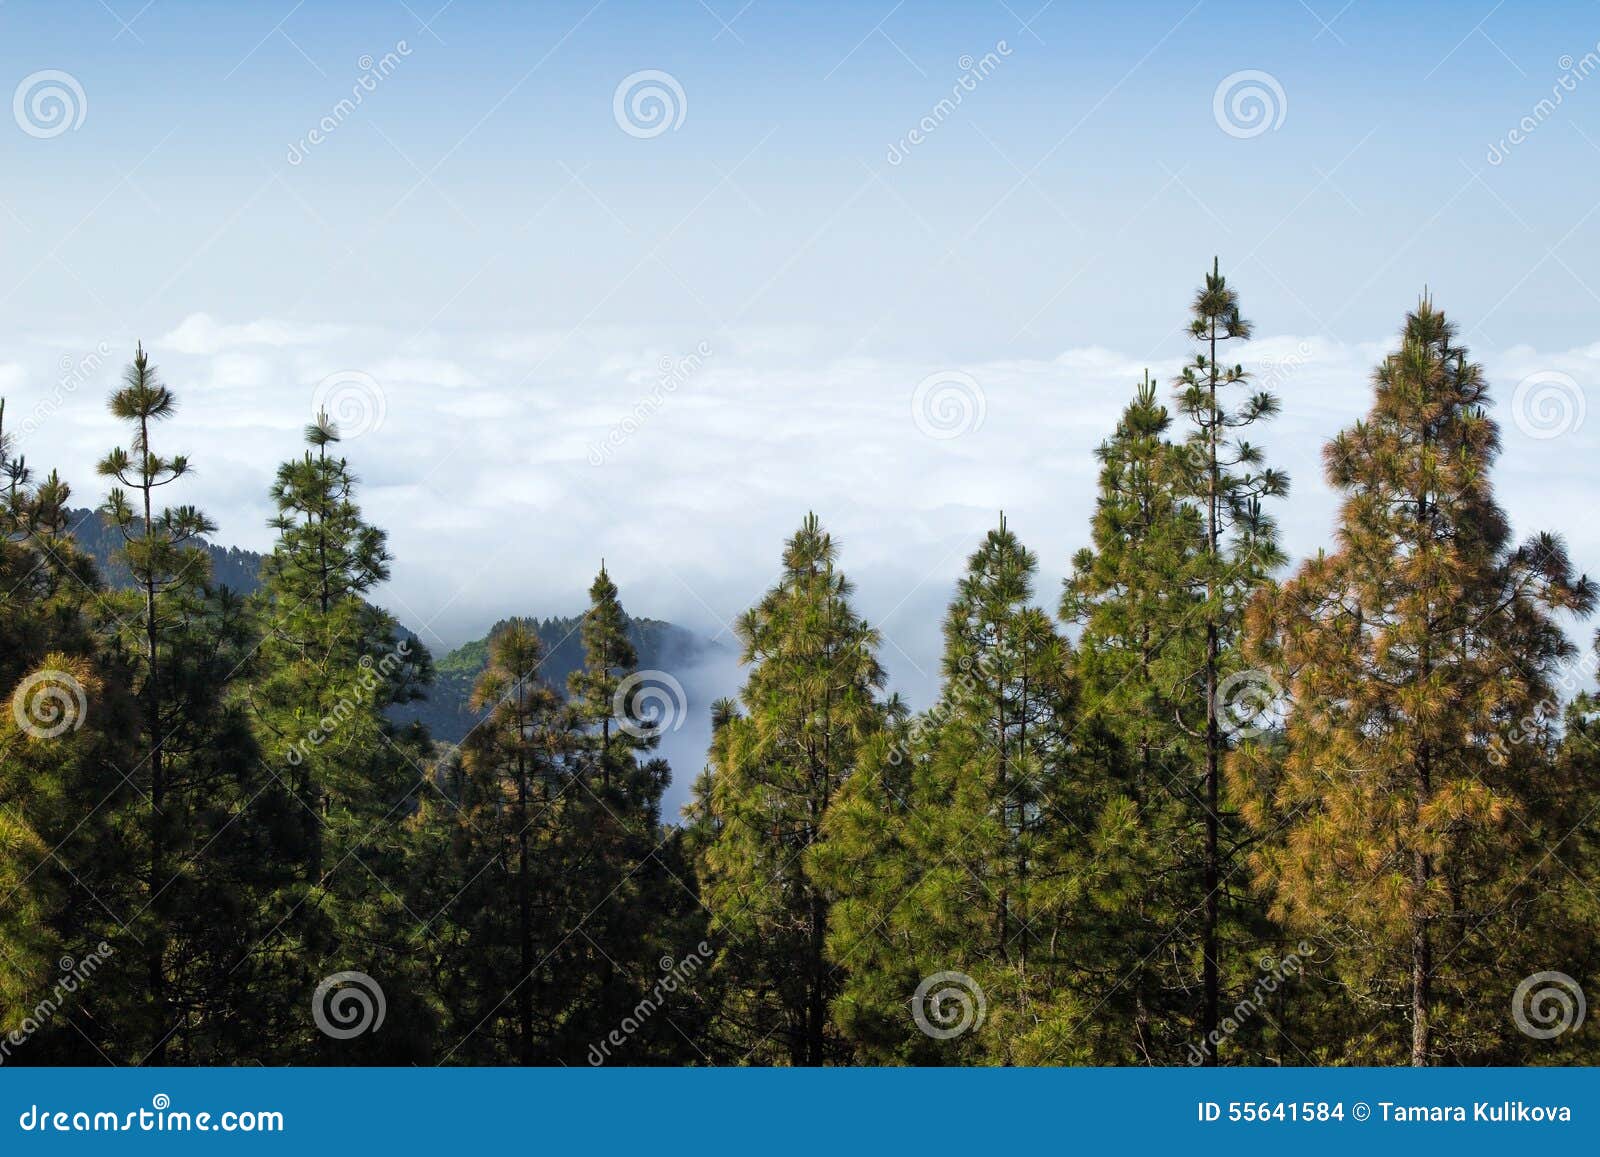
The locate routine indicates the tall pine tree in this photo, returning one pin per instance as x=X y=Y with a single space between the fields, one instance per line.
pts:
x=1228 y=480
x=329 y=667
x=1143 y=638
x=811 y=701
x=1414 y=826
x=185 y=645
x=963 y=844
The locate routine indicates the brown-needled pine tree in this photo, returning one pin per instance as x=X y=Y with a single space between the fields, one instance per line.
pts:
x=1411 y=829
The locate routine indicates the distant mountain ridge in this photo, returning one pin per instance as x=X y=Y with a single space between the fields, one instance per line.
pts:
x=661 y=646
x=240 y=570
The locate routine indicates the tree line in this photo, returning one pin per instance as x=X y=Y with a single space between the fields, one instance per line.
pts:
x=1194 y=808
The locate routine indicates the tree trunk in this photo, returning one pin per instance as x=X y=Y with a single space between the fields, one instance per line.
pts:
x=158 y=780
x=1421 y=964
x=1210 y=980
x=524 y=906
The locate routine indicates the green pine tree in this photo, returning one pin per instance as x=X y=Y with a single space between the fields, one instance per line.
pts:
x=811 y=701
x=329 y=667
x=639 y=907
x=1229 y=481
x=963 y=844
x=1143 y=640
x=185 y=645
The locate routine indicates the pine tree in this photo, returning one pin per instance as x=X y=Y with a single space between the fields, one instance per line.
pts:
x=185 y=645
x=1228 y=480
x=329 y=667
x=1414 y=821
x=1143 y=639
x=637 y=907
x=965 y=847
x=701 y=825
x=812 y=699
x=506 y=909
x=1566 y=911
x=609 y=658
x=66 y=728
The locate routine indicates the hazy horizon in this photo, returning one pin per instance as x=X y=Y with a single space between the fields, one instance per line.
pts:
x=605 y=279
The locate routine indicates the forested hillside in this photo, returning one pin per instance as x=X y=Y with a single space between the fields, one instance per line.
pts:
x=97 y=536
x=447 y=711
x=1200 y=805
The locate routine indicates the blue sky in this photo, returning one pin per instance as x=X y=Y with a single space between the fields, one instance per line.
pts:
x=501 y=268
x=1363 y=193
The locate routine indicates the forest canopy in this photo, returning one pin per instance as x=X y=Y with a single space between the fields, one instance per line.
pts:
x=1198 y=806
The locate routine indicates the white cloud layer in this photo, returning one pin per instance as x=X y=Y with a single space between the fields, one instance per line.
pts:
x=505 y=465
